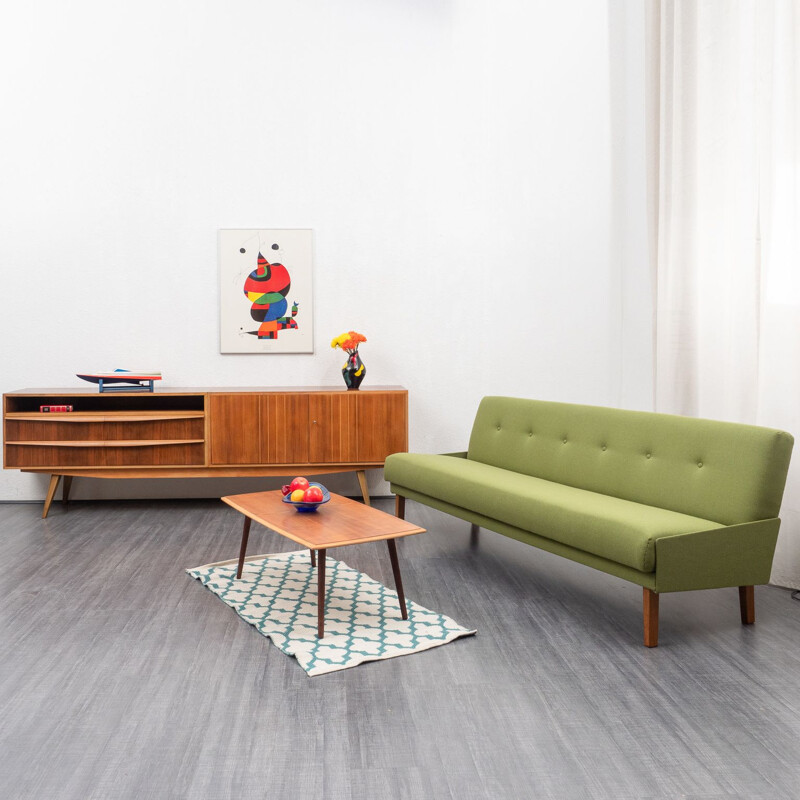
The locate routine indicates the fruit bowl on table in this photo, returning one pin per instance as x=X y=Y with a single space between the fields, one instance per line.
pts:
x=303 y=506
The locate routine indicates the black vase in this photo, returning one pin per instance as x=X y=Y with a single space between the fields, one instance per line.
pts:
x=353 y=371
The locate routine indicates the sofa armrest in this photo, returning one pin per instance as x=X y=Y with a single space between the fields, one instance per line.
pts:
x=736 y=555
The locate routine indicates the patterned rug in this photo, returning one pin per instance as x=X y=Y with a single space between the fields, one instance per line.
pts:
x=277 y=594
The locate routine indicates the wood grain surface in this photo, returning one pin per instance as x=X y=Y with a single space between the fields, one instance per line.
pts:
x=333 y=425
x=338 y=523
x=235 y=429
x=284 y=424
x=162 y=391
x=103 y=416
x=233 y=432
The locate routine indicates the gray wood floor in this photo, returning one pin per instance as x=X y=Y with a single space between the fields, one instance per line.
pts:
x=121 y=677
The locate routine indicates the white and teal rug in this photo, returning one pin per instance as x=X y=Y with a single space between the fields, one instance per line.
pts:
x=277 y=594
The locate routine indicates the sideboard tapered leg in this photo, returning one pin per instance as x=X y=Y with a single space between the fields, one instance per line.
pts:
x=65 y=487
x=51 y=493
x=362 y=482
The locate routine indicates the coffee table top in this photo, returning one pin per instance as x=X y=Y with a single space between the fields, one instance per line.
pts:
x=337 y=523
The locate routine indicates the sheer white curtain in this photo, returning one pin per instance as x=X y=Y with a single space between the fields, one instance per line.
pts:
x=725 y=211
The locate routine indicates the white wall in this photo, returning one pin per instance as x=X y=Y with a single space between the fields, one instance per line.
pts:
x=455 y=160
x=629 y=215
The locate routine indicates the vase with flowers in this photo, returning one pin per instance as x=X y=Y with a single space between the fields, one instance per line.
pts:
x=353 y=370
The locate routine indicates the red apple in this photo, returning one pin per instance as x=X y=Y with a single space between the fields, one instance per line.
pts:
x=285 y=489
x=312 y=495
x=298 y=483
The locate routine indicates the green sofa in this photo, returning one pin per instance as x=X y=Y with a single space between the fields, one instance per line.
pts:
x=669 y=503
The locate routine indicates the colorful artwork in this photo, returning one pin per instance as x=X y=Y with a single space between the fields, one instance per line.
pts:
x=265 y=288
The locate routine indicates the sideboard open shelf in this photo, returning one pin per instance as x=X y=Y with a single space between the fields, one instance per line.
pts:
x=203 y=433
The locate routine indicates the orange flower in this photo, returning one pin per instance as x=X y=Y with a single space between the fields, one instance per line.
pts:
x=349 y=341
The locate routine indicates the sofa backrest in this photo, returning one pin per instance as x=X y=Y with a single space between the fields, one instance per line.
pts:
x=720 y=471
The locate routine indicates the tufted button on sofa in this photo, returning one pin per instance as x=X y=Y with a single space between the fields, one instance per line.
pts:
x=670 y=503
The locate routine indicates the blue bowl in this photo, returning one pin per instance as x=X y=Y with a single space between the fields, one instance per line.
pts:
x=306 y=507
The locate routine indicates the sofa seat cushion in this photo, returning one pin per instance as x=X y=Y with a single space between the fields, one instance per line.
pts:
x=620 y=530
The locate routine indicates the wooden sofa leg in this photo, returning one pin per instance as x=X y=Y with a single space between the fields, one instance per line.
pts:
x=474 y=535
x=400 y=506
x=650 y=606
x=747 y=604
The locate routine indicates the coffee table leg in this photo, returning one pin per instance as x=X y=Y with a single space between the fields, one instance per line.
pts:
x=313 y=558
x=398 y=581
x=321 y=595
x=243 y=550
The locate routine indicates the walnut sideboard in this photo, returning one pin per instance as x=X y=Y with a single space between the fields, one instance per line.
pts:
x=202 y=433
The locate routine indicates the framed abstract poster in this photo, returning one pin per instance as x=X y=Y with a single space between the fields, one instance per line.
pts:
x=265 y=291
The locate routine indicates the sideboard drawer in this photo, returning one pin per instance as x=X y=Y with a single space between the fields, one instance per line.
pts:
x=164 y=430
x=55 y=456
x=100 y=440
x=86 y=454
x=53 y=431
x=163 y=454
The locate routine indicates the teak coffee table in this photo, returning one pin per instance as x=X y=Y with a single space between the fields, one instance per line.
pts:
x=338 y=523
